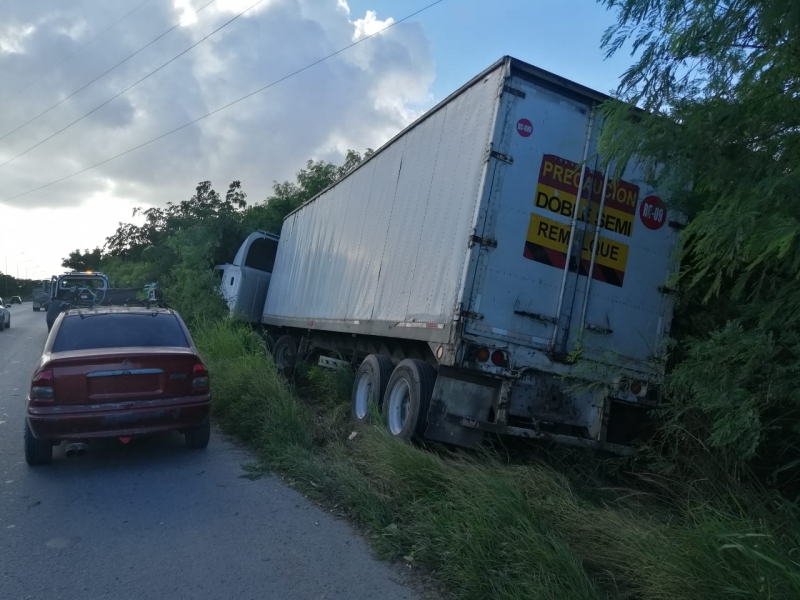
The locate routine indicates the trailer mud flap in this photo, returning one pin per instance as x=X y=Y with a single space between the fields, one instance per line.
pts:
x=464 y=395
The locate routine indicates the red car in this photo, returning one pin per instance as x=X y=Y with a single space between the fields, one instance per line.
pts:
x=116 y=372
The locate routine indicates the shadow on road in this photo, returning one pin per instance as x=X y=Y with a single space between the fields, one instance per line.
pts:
x=156 y=450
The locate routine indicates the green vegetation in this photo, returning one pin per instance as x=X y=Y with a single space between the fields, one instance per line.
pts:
x=720 y=81
x=485 y=527
x=11 y=286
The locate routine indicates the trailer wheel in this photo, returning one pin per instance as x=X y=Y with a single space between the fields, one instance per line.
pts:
x=408 y=394
x=369 y=387
x=285 y=354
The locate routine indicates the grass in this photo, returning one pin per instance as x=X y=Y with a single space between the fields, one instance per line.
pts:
x=486 y=528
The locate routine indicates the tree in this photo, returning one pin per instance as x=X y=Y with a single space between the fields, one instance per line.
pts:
x=83 y=261
x=719 y=82
x=288 y=196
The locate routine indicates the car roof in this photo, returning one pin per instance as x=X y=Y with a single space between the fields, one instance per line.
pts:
x=120 y=310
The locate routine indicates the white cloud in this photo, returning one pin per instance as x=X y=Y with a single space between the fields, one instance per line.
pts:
x=370 y=25
x=13 y=37
x=357 y=99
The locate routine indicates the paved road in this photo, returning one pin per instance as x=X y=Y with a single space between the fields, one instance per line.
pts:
x=155 y=520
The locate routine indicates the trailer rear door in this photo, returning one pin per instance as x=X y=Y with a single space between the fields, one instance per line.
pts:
x=526 y=289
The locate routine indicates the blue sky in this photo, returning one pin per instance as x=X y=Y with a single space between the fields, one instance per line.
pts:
x=467 y=36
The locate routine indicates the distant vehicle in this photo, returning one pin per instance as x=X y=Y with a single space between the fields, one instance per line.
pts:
x=85 y=288
x=116 y=372
x=16 y=300
x=63 y=287
x=41 y=295
x=487 y=270
x=5 y=315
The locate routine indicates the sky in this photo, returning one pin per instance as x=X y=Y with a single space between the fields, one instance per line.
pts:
x=50 y=49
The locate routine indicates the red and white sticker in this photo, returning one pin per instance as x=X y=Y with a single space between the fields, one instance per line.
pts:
x=524 y=127
x=653 y=212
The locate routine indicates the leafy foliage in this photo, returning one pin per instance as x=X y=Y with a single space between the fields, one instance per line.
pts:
x=88 y=260
x=719 y=82
x=11 y=286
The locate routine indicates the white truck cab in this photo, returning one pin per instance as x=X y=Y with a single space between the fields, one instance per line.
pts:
x=244 y=282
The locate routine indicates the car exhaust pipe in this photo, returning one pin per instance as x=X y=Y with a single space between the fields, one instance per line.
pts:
x=76 y=449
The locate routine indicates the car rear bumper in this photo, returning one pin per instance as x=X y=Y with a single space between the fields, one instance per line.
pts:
x=120 y=419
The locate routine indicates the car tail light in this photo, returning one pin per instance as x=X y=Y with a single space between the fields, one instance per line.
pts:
x=42 y=386
x=498 y=358
x=200 y=381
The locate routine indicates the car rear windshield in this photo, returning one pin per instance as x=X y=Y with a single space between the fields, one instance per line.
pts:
x=98 y=331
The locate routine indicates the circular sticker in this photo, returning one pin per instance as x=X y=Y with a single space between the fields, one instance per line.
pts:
x=524 y=127
x=653 y=212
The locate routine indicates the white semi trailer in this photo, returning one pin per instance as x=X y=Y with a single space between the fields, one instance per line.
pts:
x=459 y=269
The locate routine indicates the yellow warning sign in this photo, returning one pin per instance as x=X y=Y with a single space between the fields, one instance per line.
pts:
x=557 y=192
x=547 y=242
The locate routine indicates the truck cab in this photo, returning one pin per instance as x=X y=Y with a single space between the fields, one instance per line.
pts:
x=245 y=281
x=41 y=295
x=79 y=286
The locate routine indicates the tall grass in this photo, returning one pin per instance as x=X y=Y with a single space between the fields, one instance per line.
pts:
x=486 y=528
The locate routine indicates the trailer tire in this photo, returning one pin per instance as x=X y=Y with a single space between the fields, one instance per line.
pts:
x=285 y=354
x=408 y=395
x=369 y=386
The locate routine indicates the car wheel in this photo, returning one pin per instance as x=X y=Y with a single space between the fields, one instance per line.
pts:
x=408 y=394
x=370 y=385
x=285 y=354
x=197 y=437
x=8 y=325
x=37 y=452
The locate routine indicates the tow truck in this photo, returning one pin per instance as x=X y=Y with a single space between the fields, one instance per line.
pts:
x=87 y=289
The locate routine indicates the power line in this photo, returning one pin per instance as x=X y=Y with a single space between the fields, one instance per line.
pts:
x=123 y=61
x=224 y=107
x=79 y=50
x=117 y=95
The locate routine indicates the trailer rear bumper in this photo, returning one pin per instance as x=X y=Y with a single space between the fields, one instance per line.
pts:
x=535 y=434
x=466 y=405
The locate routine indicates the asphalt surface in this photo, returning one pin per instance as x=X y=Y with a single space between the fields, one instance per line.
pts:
x=153 y=519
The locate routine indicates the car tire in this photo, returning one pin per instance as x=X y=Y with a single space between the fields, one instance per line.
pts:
x=369 y=386
x=197 y=438
x=8 y=325
x=408 y=395
x=37 y=452
x=285 y=354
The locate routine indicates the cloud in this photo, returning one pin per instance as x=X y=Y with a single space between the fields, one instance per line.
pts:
x=360 y=98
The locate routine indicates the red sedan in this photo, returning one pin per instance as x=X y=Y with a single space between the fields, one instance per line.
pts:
x=116 y=372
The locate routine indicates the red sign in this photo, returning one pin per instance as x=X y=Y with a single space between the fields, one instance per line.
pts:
x=653 y=212
x=524 y=127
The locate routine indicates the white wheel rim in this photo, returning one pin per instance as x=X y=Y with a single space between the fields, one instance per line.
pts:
x=363 y=389
x=399 y=403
